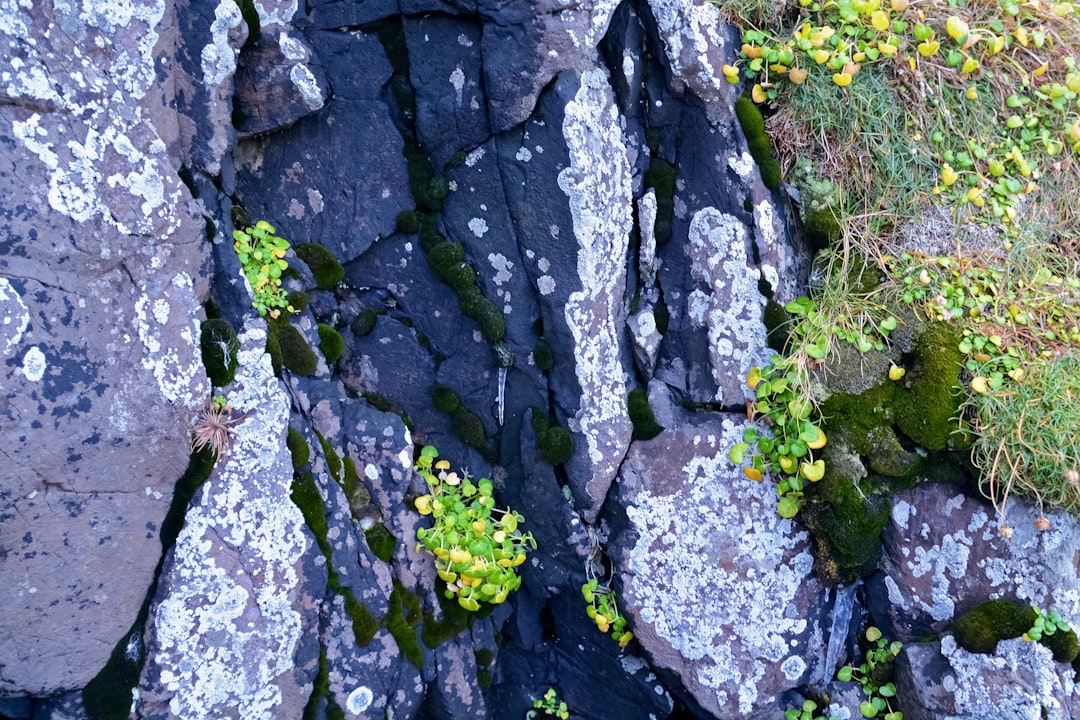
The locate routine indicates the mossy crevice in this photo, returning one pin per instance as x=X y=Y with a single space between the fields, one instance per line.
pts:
x=324 y=266
x=641 y=415
x=929 y=401
x=289 y=349
x=753 y=127
x=660 y=176
x=555 y=443
x=331 y=344
x=220 y=350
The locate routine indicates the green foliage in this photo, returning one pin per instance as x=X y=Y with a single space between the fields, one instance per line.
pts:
x=381 y=542
x=930 y=400
x=220 y=347
x=641 y=415
x=324 y=266
x=262 y=254
x=298 y=449
x=806 y=712
x=1054 y=632
x=445 y=399
x=543 y=355
x=364 y=322
x=331 y=344
x=550 y=706
x=753 y=126
x=846 y=522
x=602 y=609
x=476 y=546
x=875 y=676
x=292 y=352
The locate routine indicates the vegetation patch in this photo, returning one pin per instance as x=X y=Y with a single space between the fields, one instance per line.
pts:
x=331 y=344
x=324 y=266
x=555 y=443
x=641 y=415
x=220 y=348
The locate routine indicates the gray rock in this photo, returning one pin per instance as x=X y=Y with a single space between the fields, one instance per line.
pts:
x=943 y=556
x=230 y=632
x=99 y=266
x=1019 y=681
x=278 y=81
x=718 y=586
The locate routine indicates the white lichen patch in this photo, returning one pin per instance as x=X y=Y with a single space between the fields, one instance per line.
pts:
x=502 y=266
x=359 y=700
x=33 y=366
x=218 y=57
x=717 y=573
x=305 y=83
x=16 y=318
x=693 y=35
x=726 y=302
x=457 y=81
x=743 y=165
x=478 y=226
x=223 y=637
x=597 y=184
x=178 y=373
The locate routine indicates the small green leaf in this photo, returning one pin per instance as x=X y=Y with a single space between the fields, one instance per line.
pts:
x=787 y=507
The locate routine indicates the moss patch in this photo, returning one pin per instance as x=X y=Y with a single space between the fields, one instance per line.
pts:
x=298 y=448
x=365 y=625
x=543 y=355
x=381 y=542
x=469 y=428
x=220 y=348
x=555 y=443
x=928 y=403
x=846 y=523
x=292 y=350
x=979 y=629
x=444 y=399
x=641 y=415
x=753 y=126
x=331 y=344
x=364 y=322
x=324 y=266
x=401 y=621
x=320 y=690
x=408 y=222
x=661 y=178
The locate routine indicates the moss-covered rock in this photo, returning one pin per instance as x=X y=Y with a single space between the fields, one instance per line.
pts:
x=641 y=415
x=469 y=428
x=298 y=449
x=930 y=400
x=777 y=325
x=381 y=542
x=364 y=322
x=1064 y=645
x=324 y=266
x=846 y=522
x=543 y=355
x=492 y=323
x=365 y=624
x=979 y=629
x=408 y=222
x=297 y=300
x=822 y=227
x=445 y=254
x=472 y=302
x=753 y=126
x=458 y=276
x=403 y=616
x=331 y=344
x=660 y=176
x=444 y=399
x=220 y=348
x=293 y=351
x=555 y=443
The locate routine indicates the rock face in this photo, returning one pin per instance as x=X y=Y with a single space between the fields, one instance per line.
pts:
x=719 y=586
x=101 y=274
x=539 y=208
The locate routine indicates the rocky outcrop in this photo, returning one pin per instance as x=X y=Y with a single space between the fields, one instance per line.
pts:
x=101 y=275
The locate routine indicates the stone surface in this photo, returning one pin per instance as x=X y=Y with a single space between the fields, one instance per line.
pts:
x=101 y=252
x=943 y=556
x=231 y=630
x=719 y=587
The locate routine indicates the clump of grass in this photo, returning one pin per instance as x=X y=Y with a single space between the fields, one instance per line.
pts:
x=1027 y=443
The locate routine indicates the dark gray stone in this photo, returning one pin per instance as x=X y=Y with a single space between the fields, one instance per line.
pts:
x=277 y=83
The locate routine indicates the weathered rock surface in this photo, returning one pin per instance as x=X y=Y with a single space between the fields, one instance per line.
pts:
x=720 y=588
x=231 y=630
x=943 y=556
x=101 y=261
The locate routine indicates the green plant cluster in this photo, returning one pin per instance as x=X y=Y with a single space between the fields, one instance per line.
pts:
x=753 y=127
x=980 y=629
x=1047 y=622
x=476 y=546
x=806 y=711
x=556 y=444
x=262 y=255
x=550 y=706
x=603 y=609
x=787 y=450
x=324 y=266
x=875 y=676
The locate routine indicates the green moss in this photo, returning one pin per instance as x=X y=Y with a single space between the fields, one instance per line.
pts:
x=979 y=629
x=298 y=449
x=365 y=625
x=543 y=355
x=541 y=421
x=484 y=657
x=429 y=233
x=273 y=349
x=455 y=620
x=356 y=493
x=483 y=678
x=428 y=188
x=408 y=222
x=459 y=276
x=932 y=396
x=331 y=344
x=251 y=19
x=822 y=227
x=324 y=266
x=753 y=126
x=846 y=522
x=641 y=415
x=492 y=324
x=445 y=254
x=860 y=416
x=305 y=495
x=364 y=322
x=295 y=354
x=333 y=460
x=469 y=428
x=556 y=445
x=298 y=300
x=777 y=325
x=381 y=542
x=660 y=176
x=220 y=347
x=403 y=616
x=444 y=399
x=320 y=690
x=1064 y=645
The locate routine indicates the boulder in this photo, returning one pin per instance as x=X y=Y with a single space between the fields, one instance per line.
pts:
x=101 y=256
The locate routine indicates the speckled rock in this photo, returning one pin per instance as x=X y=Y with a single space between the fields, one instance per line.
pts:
x=718 y=586
x=278 y=81
x=1018 y=681
x=100 y=257
x=943 y=556
x=231 y=629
